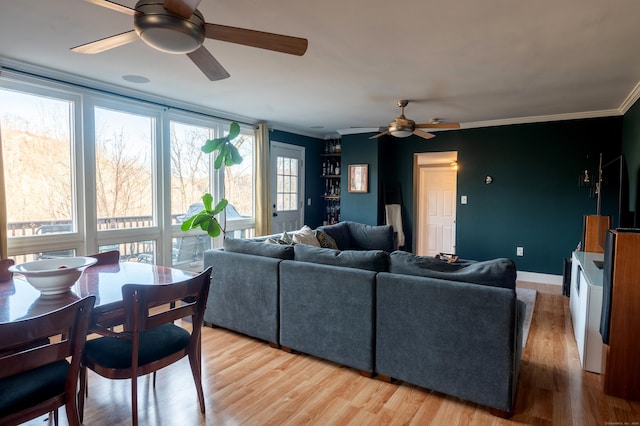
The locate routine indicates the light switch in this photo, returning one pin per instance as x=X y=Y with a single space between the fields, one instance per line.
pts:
x=463 y=199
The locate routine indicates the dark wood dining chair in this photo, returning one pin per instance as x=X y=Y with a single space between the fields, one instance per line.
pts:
x=36 y=377
x=5 y=274
x=110 y=257
x=150 y=340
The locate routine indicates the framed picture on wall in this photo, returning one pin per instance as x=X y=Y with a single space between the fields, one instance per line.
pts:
x=358 y=178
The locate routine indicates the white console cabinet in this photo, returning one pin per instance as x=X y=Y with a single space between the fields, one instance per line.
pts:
x=585 y=304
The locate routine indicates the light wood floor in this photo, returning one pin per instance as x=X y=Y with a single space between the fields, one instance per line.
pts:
x=249 y=383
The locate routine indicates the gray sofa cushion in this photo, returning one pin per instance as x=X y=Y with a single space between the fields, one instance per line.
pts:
x=278 y=251
x=328 y=313
x=370 y=260
x=358 y=236
x=496 y=272
x=340 y=234
x=368 y=237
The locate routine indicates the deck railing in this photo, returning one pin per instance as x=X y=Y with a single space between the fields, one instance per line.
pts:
x=131 y=251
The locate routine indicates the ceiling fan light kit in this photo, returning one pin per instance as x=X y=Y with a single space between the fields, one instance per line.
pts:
x=167 y=31
x=403 y=127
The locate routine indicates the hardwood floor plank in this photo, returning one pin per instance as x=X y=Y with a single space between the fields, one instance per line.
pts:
x=247 y=382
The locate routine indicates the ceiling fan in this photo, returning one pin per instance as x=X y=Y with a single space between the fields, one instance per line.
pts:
x=402 y=127
x=176 y=26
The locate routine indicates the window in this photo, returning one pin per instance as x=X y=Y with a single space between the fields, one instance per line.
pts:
x=39 y=158
x=287 y=184
x=121 y=175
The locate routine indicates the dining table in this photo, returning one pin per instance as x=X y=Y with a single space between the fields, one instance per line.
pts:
x=18 y=299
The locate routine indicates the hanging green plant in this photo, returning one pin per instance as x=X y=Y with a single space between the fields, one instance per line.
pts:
x=228 y=155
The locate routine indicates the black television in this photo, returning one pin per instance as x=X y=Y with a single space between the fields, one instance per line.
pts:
x=613 y=196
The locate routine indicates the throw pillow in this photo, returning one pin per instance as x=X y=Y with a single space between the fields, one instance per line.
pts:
x=285 y=238
x=325 y=240
x=305 y=236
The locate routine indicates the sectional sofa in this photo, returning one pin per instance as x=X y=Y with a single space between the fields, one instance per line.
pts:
x=453 y=328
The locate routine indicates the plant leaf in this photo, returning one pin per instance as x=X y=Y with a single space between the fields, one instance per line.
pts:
x=214 y=228
x=204 y=225
x=186 y=225
x=213 y=145
x=220 y=206
x=237 y=158
x=207 y=200
x=219 y=158
x=200 y=218
x=234 y=131
x=228 y=158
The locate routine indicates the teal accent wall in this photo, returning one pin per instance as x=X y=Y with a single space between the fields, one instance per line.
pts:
x=534 y=202
x=313 y=186
x=631 y=152
x=360 y=207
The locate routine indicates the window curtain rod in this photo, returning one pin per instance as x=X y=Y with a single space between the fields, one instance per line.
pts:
x=112 y=93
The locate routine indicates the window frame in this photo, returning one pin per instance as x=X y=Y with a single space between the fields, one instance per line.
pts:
x=86 y=238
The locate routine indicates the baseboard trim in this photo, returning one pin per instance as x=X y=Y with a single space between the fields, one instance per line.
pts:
x=537 y=277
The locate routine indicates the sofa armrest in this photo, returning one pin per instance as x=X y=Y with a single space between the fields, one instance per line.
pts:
x=457 y=338
x=244 y=293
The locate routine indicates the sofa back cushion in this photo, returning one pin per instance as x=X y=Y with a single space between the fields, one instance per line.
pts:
x=340 y=234
x=371 y=260
x=496 y=272
x=239 y=245
x=369 y=237
x=358 y=236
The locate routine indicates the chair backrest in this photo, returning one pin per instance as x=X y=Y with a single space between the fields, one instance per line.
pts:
x=34 y=342
x=110 y=257
x=178 y=300
x=5 y=274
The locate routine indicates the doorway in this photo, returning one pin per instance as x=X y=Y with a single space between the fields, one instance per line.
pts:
x=287 y=187
x=435 y=180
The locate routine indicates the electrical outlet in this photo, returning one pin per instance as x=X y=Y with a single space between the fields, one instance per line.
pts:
x=519 y=251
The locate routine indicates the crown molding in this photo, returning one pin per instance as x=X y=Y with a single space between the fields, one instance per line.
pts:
x=542 y=118
x=631 y=99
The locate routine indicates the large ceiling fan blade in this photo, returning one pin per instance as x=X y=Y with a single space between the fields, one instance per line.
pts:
x=276 y=42
x=113 y=6
x=379 y=134
x=208 y=64
x=438 y=126
x=106 y=43
x=184 y=8
x=424 y=135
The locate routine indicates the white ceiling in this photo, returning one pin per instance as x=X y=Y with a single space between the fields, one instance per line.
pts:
x=476 y=62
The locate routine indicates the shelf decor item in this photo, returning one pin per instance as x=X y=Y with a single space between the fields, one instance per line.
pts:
x=358 y=178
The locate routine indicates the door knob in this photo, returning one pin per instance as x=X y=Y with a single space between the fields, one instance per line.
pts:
x=275 y=214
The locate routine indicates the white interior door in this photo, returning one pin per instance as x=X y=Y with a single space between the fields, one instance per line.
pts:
x=436 y=210
x=287 y=187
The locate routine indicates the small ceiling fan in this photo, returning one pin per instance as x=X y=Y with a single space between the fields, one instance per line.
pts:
x=403 y=127
x=176 y=26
